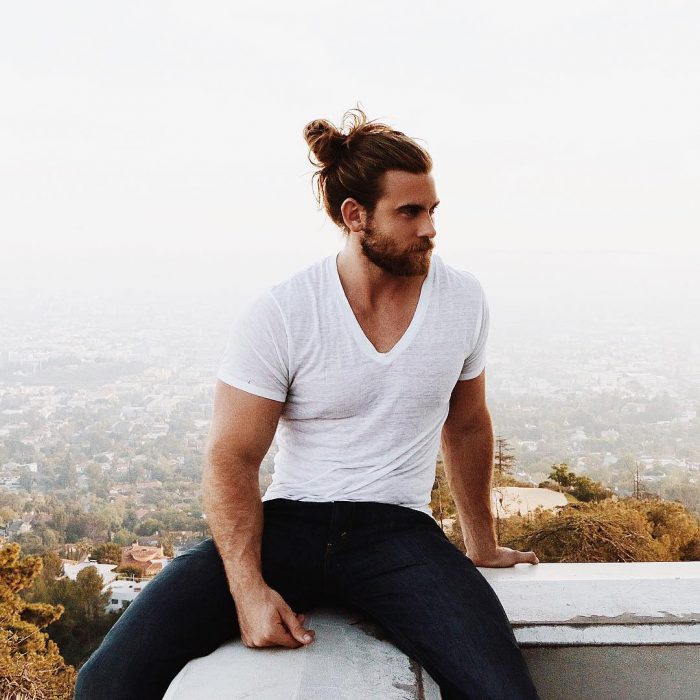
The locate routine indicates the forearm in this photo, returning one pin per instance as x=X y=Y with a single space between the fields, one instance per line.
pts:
x=231 y=498
x=468 y=457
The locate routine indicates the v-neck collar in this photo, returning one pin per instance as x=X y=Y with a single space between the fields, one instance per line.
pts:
x=355 y=328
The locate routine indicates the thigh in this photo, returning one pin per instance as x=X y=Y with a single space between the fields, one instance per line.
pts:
x=437 y=607
x=187 y=610
x=184 y=612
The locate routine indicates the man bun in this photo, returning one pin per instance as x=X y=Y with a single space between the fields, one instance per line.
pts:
x=324 y=141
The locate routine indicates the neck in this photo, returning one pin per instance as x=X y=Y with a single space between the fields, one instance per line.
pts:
x=370 y=285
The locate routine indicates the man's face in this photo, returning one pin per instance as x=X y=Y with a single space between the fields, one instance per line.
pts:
x=398 y=235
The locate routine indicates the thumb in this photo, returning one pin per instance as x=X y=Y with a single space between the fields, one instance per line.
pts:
x=296 y=629
x=529 y=558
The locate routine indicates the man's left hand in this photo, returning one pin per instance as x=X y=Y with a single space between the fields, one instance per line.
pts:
x=503 y=557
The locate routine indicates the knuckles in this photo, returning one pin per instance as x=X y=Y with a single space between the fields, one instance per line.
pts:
x=268 y=641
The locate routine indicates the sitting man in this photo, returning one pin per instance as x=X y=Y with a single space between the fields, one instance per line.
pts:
x=361 y=365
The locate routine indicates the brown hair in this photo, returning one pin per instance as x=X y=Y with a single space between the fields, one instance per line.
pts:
x=352 y=160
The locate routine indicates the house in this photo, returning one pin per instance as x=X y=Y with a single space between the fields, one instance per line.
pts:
x=106 y=571
x=122 y=593
x=149 y=560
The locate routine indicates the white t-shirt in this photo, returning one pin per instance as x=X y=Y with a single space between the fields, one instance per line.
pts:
x=357 y=424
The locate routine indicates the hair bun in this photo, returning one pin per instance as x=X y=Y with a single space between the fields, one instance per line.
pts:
x=324 y=140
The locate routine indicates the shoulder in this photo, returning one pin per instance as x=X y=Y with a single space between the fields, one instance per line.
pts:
x=299 y=290
x=459 y=282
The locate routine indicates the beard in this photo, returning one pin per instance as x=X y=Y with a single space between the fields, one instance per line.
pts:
x=381 y=250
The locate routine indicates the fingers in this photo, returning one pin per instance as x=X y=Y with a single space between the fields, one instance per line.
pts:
x=273 y=624
x=528 y=557
x=275 y=634
x=288 y=631
x=504 y=557
x=296 y=627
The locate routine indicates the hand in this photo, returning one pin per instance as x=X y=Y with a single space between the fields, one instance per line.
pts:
x=267 y=621
x=502 y=557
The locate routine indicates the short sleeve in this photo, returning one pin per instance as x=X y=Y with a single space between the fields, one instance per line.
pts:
x=256 y=357
x=476 y=358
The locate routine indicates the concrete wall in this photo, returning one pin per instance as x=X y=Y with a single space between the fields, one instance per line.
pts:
x=669 y=672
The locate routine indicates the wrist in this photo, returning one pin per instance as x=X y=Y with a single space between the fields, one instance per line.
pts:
x=244 y=581
x=481 y=552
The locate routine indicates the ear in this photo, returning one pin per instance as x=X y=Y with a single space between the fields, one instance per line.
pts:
x=354 y=215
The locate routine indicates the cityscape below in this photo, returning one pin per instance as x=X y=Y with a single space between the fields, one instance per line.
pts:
x=109 y=398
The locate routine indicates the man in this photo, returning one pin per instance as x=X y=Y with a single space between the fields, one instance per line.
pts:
x=360 y=366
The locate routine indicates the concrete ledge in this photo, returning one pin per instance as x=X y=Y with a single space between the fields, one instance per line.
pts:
x=575 y=604
x=350 y=660
x=588 y=632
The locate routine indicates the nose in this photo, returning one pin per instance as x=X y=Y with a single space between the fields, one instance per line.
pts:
x=428 y=229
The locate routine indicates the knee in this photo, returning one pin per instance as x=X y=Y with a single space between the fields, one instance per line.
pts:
x=98 y=678
x=87 y=684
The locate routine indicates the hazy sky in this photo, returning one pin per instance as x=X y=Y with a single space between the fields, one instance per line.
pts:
x=162 y=140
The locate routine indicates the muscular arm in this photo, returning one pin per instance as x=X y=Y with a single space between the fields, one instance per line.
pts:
x=467 y=446
x=243 y=426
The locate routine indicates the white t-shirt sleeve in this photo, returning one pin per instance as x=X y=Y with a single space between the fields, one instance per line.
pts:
x=476 y=359
x=256 y=357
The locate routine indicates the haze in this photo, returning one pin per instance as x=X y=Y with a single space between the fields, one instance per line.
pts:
x=157 y=146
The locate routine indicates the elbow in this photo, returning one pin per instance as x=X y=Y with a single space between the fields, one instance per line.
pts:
x=208 y=486
x=213 y=467
x=458 y=439
x=208 y=467
x=226 y=467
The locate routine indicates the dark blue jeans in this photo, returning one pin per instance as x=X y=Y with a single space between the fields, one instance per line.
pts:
x=392 y=563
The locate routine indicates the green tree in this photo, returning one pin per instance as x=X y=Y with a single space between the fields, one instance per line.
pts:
x=30 y=543
x=124 y=537
x=581 y=487
x=85 y=621
x=85 y=526
x=504 y=460
x=561 y=474
x=130 y=570
x=30 y=664
x=66 y=474
x=148 y=527
x=587 y=490
x=107 y=553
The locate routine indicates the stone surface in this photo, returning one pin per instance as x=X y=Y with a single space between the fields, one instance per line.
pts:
x=588 y=631
x=635 y=603
x=668 y=672
x=349 y=660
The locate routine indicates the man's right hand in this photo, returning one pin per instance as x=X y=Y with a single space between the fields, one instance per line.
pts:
x=267 y=621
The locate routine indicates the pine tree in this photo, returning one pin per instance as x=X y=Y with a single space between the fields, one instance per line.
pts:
x=504 y=460
x=30 y=664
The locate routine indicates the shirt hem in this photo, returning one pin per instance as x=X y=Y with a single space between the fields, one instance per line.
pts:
x=251 y=388
x=271 y=497
x=471 y=375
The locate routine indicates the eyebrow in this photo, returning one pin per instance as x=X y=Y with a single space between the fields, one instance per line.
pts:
x=415 y=207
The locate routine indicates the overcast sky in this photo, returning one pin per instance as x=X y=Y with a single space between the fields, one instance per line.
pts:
x=162 y=141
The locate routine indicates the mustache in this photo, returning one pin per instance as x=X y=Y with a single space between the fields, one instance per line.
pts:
x=424 y=247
